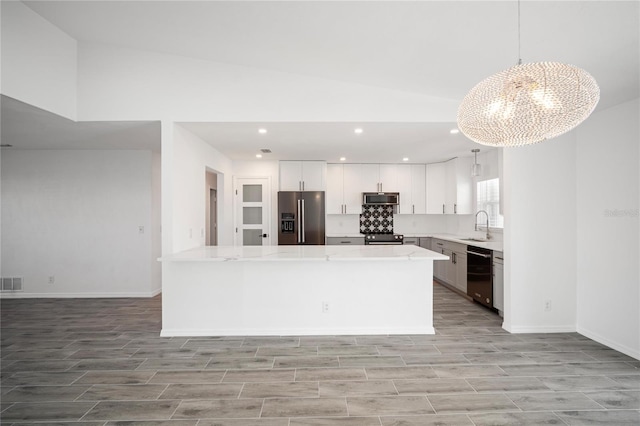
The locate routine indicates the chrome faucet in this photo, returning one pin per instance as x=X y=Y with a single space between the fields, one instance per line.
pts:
x=485 y=212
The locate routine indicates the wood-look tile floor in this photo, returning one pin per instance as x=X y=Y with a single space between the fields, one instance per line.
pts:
x=102 y=362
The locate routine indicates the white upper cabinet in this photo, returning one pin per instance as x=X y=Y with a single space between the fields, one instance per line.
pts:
x=335 y=189
x=436 y=185
x=459 y=186
x=449 y=187
x=411 y=184
x=418 y=189
x=347 y=182
x=303 y=175
x=358 y=178
x=388 y=177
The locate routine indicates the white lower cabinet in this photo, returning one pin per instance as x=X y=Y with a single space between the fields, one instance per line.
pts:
x=453 y=271
x=498 y=281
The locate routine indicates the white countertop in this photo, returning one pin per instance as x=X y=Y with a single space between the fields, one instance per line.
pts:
x=305 y=253
x=491 y=245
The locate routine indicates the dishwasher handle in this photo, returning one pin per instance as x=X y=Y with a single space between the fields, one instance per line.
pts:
x=475 y=253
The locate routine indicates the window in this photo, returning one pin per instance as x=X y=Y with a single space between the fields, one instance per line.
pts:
x=488 y=199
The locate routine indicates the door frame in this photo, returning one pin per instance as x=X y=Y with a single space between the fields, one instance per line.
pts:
x=267 y=225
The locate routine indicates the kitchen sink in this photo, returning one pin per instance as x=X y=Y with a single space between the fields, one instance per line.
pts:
x=474 y=239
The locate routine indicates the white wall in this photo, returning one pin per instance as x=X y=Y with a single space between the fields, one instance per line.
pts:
x=540 y=236
x=607 y=220
x=39 y=61
x=76 y=215
x=185 y=164
x=124 y=84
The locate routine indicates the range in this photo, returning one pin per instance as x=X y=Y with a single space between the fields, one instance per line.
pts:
x=376 y=223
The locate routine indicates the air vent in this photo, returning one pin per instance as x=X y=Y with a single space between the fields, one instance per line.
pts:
x=265 y=151
x=11 y=284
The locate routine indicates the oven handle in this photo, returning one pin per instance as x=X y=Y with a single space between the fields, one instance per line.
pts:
x=486 y=256
x=383 y=243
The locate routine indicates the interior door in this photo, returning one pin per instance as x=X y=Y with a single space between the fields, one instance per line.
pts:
x=253 y=212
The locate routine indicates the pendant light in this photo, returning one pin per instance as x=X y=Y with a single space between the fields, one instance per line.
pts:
x=476 y=169
x=527 y=103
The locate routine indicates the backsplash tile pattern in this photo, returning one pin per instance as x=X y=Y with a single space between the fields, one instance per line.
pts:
x=376 y=219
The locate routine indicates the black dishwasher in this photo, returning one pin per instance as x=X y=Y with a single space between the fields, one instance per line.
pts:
x=479 y=275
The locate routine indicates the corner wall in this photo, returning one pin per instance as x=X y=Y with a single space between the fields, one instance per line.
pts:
x=186 y=159
x=39 y=61
x=75 y=215
x=540 y=236
x=607 y=220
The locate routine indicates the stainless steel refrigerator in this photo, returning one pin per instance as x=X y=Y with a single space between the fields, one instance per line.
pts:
x=301 y=215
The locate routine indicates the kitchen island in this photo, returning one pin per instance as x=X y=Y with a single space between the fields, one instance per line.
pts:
x=298 y=290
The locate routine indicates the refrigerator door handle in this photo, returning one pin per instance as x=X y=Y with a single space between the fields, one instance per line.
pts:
x=299 y=224
x=303 y=239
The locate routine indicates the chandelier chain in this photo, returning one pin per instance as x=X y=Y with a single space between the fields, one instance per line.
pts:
x=519 y=54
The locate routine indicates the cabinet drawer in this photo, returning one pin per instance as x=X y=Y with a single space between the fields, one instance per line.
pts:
x=354 y=241
x=437 y=244
x=413 y=241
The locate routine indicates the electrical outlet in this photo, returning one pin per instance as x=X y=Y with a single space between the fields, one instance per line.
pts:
x=547 y=305
x=325 y=307
x=52 y=279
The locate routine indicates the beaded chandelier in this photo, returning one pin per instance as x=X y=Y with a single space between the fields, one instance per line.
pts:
x=527 y=103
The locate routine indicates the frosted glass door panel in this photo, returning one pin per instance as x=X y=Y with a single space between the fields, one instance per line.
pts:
x=252 y=216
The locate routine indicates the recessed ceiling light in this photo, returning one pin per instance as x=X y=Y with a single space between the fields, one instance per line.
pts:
x=405 y=159
x=343 y=159
x=454 y=131
x=258 y=155
x=358 y=131
x=262 y=131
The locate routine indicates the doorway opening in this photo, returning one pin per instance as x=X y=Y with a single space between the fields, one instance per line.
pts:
x=211 y=208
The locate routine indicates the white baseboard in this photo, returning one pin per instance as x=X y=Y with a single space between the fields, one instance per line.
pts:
x=21 y=295
x=634 y=353
x=176 y=332
x=518 y=329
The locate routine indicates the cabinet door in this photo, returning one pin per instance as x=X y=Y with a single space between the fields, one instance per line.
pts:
x=425 y=242
x=449 y=275
x=388 y=178
x=334 y=194
x=461 y=272
x=358 y=178
x=440 y=266
x=450 y=194
x=314 y=175
x=404 y=188
x=464 y=186
x=418 y=189
x=436 y=181
x=498 y=286
x=290 y=175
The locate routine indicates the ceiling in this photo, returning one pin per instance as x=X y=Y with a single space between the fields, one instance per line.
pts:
x=434 y=48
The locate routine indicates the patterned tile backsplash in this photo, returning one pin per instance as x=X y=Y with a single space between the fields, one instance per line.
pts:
x=376 y=219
